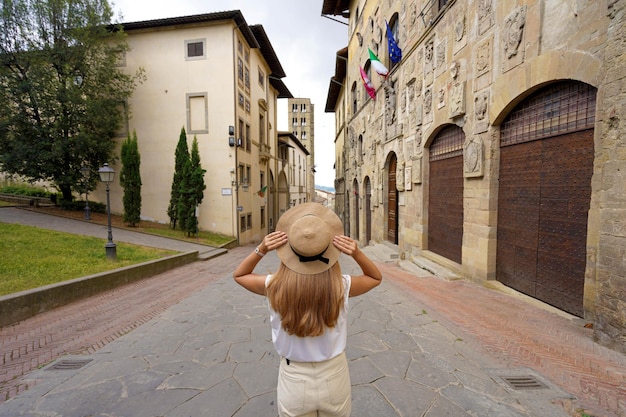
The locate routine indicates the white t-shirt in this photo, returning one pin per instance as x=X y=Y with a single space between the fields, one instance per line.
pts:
x=312 y=349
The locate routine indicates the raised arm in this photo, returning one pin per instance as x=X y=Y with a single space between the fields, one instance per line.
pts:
x=371 y=274
x=244 y=275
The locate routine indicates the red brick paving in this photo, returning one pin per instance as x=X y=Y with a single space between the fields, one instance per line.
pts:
x=86 y=326
x=517 y=334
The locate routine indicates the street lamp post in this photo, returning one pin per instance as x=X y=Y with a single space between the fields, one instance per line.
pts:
x=85 y=171
x=106 y=176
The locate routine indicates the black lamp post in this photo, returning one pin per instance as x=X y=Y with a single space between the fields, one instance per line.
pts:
x=106 y=176
x=85 y=171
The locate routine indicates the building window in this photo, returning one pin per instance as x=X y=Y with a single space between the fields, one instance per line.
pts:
x=368 y=71
x=261 y=79
x=249 y=216
x=242 y=223
x=303 y=135
x=241 y=138
x=303 y=108
x=294 y=121
x=194 y=49
x=295 y=133
x=294 y=108
x=354 y=98
x=240 y=69
x=247 y=106
x=303 y=121
x=248 y=139
x=197 y=113
x=262 y=128
x=262 y=212
x=247 y=78
x=241 y=100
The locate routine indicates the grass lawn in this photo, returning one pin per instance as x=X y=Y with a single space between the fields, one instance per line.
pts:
x=33 y=257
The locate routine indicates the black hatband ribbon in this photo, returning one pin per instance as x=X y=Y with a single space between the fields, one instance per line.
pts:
x=317 y=257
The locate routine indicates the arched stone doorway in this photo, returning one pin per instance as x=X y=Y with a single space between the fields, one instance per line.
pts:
x=546 y=164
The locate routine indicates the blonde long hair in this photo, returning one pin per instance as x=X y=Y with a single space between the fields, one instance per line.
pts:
x=307 y=304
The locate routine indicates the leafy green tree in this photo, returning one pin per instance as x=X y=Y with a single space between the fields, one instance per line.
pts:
x=181 y=157
x=61 y=90
x=191 y=190
x=130 y=179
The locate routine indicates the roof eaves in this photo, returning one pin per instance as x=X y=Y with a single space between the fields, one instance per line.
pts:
x=234 y=15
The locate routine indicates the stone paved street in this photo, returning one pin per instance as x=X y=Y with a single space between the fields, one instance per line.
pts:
x=190 y=342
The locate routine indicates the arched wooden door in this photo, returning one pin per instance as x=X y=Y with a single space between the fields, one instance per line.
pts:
x=357 y=208
x=368 y=210
x=392 y=200
x=546 y=164
x=445 y=194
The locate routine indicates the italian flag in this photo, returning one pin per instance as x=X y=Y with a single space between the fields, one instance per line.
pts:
x=377 y=65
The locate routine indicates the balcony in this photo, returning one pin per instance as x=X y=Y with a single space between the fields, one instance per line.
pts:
x=264 y=153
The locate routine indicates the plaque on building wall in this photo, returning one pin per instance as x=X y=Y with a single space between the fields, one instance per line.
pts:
x=460 y=31
x=512 y=39
x=408 y=179
x=457 y=99
x=485 y=15
x=440 y=57
x=416 y=171
x=473 y=157
x=481 y=112
x=483 y=64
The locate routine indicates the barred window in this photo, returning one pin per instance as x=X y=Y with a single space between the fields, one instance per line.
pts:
x=448 y=143
x=560 y=108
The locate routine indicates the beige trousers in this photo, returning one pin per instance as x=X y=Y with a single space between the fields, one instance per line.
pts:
x=314 y=389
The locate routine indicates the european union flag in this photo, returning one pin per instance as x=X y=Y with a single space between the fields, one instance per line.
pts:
x=395 y=53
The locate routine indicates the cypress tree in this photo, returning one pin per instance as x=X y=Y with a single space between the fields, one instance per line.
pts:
x=180 y=159
x=191 y=191
x=130 y=179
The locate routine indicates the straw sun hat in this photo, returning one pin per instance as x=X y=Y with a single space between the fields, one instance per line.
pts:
x=310 y=229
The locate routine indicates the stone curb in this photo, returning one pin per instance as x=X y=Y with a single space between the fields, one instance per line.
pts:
x=25 y=304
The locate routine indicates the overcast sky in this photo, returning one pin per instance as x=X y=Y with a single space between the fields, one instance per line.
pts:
x=304 y=41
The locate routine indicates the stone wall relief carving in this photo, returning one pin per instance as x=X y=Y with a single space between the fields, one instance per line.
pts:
x=512 y=36
x=460 y=31
x=441 y=98
x=456 y=92
x=473 y=157
x=400 y=176
x=457 y=98
x=428 y=106
x=440 y=57
x=408 y=178
x=485 y=15
x=481 y=112
x=416 y=171
x=390 y=101
x=483 y=64
x=429 y=61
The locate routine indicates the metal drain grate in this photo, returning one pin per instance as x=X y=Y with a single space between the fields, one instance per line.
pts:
x=69 y=364
x=524 y=382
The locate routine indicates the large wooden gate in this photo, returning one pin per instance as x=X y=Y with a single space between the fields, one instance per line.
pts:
x=445 y=194
x=392 y=202
x=546 y=163
x=368 y=210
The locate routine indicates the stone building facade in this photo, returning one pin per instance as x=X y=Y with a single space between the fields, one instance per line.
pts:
x=496 y=146
x=228 y=104
x=301 y=117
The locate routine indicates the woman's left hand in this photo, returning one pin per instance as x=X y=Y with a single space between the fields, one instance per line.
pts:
x=273 y=241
